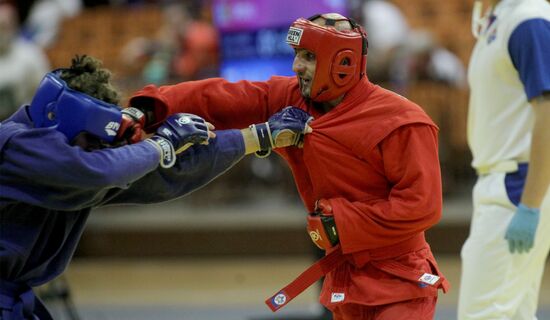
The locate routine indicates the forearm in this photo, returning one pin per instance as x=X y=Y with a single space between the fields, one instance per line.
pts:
x=411 y=166
x=45 y=157
x=538 y=177
x=364 y=225
x=61 y=177
x=194 y=168
x=408 y=210
x=224 y=104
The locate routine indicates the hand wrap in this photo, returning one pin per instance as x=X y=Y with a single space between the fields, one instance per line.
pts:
x=166 y=150
x=262 y=133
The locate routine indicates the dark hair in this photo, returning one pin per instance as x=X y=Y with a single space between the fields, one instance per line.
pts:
x=87 y=76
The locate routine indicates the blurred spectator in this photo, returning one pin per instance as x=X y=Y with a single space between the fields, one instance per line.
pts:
x=400 y=55
x=186 y=48
x=420 y=58
x=387 y=30
x=22 y=63
x=45 y=17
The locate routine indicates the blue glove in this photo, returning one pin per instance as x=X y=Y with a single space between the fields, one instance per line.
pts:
x=176 y=134
x=289 y=119
x=284 y=128
x=522 y=229
x=184 y=130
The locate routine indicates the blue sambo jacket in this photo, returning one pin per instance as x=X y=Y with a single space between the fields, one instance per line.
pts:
x=48 y=187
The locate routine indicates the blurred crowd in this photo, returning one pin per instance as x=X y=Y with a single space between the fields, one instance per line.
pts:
x=22 y=63
x=401 y=55
x=186 y=47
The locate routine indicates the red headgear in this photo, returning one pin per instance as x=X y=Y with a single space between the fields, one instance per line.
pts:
x=341 y=55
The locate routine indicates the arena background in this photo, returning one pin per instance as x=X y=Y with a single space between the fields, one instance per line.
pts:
x=218 y=253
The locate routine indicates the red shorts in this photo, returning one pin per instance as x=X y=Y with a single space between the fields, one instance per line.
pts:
x=418 y=309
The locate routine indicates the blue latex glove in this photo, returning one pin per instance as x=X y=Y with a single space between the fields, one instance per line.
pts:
x=522 y=229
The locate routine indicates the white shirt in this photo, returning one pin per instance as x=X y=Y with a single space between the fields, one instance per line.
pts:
x=500 y=118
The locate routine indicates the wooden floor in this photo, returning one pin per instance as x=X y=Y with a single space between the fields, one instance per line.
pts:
x=211 y=289
x=249 y=253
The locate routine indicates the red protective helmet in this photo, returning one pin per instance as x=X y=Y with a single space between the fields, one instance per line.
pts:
x=341 y=55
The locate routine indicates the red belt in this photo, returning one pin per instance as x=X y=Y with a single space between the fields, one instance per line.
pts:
x=306 y=279
x=359 y=259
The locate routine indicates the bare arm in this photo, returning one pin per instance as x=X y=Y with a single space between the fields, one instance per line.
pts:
x=538 y=177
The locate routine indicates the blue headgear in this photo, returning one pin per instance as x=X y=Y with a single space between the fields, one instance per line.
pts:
x=71 y=111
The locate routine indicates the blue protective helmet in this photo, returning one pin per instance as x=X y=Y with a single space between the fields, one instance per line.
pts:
x=73 y=112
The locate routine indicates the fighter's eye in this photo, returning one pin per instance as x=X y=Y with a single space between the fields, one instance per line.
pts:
x=304 y=54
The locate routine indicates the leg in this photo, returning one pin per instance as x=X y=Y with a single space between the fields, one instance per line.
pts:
x=529 y=304
x=487 y=268
x=350 y=311
x=418 y=309
x=496 y=284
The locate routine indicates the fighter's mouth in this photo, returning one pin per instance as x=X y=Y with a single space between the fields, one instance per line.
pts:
x=305 y=82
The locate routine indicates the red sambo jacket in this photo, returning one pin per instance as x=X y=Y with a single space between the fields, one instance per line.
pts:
x=374 y=157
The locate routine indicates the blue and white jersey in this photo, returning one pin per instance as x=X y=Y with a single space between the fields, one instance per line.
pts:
x=509 y=66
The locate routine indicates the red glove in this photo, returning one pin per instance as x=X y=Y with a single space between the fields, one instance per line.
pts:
x=321 y=225
x=131 y=125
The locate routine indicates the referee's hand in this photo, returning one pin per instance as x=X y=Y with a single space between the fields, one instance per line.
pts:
x=522 y=229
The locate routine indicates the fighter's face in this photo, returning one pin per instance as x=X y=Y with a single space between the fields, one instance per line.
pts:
x=304 y=67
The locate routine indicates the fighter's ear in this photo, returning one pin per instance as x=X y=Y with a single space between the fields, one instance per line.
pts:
x=344 y=67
